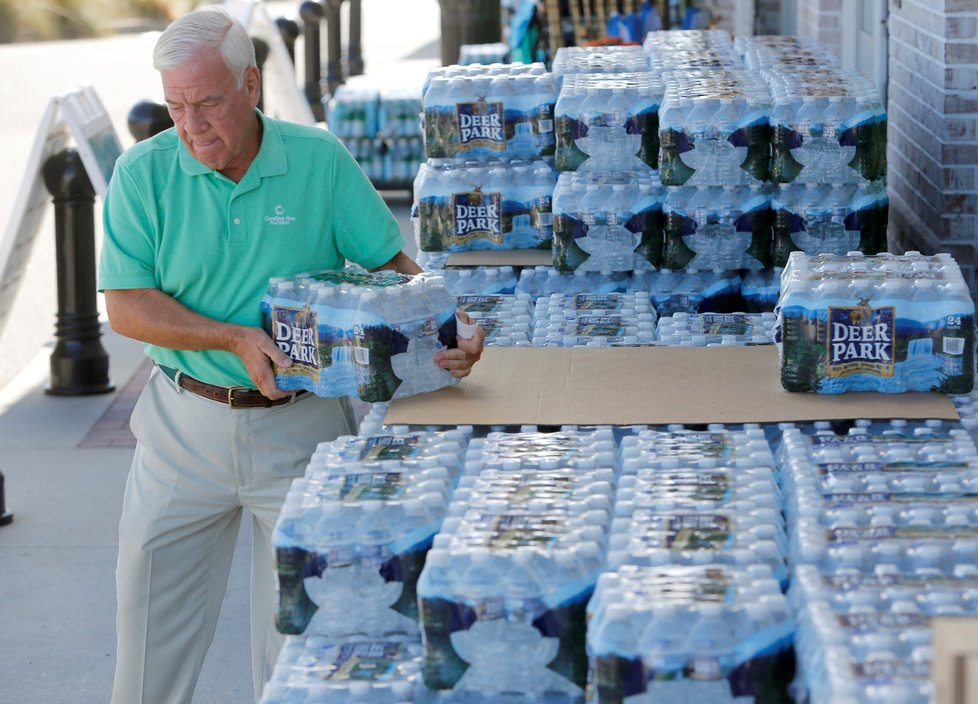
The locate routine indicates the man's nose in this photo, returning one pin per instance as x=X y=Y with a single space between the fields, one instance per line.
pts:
x=194 y=121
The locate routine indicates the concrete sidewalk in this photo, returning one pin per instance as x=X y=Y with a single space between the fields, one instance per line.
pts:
x=65 y=459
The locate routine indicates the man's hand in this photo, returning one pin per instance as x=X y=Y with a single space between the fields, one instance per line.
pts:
x=259 y=353
x=459 y=361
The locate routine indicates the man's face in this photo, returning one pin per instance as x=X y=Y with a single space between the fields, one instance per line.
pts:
x=214 y=119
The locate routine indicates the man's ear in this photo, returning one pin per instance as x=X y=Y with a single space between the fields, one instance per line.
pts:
x=252 y=82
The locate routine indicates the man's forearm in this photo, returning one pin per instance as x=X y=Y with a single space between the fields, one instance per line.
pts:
x=149 y=315
x=403 y=263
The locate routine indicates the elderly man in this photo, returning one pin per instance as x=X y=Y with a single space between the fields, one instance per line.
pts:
x=188 y=251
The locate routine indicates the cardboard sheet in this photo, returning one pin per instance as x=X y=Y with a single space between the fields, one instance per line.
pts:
x=502 y=257
x=644 y=385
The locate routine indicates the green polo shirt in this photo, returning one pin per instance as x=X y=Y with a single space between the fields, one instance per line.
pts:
x=174 y=224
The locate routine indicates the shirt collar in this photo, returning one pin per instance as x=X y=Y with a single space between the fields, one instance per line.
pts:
x=270 y=161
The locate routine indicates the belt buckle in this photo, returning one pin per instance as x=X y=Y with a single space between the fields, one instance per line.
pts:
x=231 y=390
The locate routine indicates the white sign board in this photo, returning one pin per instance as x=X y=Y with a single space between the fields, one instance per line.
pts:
x=280 y=90
x=79 y=116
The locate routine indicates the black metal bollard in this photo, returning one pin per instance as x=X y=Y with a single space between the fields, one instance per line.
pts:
x=79 y=363
x=261 y=54
x=334 y=46
x=147 y=118
x=289 y=29
x=354 y=53
x=312 y=14
x=5 y=515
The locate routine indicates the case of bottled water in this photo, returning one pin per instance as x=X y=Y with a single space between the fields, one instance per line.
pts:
x=481 y=281
x=717 y=228
x=827 y=126
x=714 y=128
x=495 y=110
x=594 y=320
x=607 y=222
x=492 y=53
x=967 y=407
x=690 y=291
x=354 y=112
x=503 y=591
x=677 y=446
x=703 y=329
x=737 y=488
x=823 y=219
x=467 y=205
x=597 y=59
x=355 y=333
x=771 y=51
x=546 y=280
x=690 y=49
x=688 y=634
x=353 y=533
x=875 y=323
x=400 y=113
x=351 y=671
x=608 y=122
x=506 y=319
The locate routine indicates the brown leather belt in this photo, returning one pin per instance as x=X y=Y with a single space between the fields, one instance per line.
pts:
x=233 y=396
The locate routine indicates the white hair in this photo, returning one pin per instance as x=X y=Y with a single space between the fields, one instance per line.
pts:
x=209 y=27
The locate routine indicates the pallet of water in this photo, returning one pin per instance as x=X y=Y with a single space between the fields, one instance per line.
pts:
x=607 y=222
x=608 y=122
x=713 y=128
x=494 y=110
x=593 y=320
x=350 y=332
x=706 y=329
x=504 y=588
x=682 y=634
x=875 y=323
x=353 y=533
x=829 y=219
x=468 y=205
x=349 y=671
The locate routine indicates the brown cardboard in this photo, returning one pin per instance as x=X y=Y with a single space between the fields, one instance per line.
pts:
x=643 y=385
x=954 y=668
x=502 y=257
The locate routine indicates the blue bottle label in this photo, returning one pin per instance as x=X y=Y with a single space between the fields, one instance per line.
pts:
x=481 y=124
x=860 y=340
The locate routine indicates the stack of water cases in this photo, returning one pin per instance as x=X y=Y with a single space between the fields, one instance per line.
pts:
x=883 y=537
x=828 y=142
x=505 y=585
x=350 y=543
x=381 y=130
x=593 y=320
x=691 y=609
x=504 y=318
x=708 y=329
x=875 y=323
x=489 y=141
x=355 y=333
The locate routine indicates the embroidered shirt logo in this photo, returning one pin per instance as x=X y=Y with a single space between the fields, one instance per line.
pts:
x=279 y=218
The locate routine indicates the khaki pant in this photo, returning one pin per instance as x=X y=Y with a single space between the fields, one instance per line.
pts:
x=197 y=464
